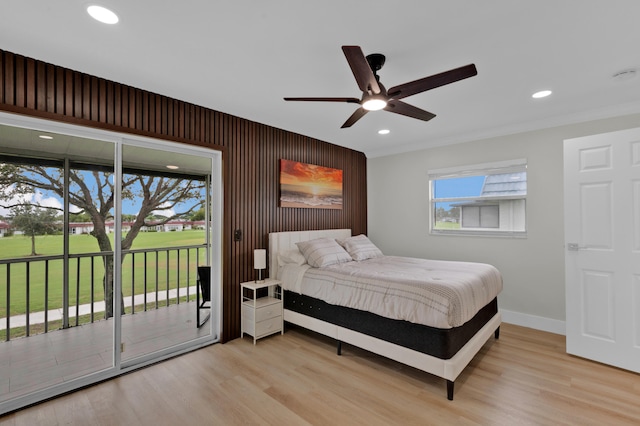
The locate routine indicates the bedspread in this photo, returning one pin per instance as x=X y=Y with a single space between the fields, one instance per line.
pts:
x=442 y=294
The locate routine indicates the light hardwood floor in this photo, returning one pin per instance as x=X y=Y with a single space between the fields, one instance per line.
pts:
x=523 y=378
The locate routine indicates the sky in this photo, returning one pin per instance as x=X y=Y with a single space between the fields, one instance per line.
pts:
x=37 y=197
x=50 y=199
x=469 y=186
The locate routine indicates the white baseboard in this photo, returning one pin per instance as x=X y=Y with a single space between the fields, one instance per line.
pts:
x=533 y=321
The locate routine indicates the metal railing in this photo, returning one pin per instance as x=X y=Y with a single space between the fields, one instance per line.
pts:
x=35 y=297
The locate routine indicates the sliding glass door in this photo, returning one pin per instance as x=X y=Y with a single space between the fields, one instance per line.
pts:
x=165 y=237
x=54 y=189
x=101 y=237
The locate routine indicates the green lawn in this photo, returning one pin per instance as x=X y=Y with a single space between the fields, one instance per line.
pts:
x=160 y=273
x=447 y=225
x=20 y=246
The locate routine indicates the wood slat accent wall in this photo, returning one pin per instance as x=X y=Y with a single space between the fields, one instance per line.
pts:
x=251 y=154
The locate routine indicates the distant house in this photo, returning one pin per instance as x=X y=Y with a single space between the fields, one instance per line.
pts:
x=500 y=205
x=173 y=225
x=5 y=228
x=180 y=225
x=77 y=228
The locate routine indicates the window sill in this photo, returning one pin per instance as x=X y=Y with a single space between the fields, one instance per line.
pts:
x=470 y=233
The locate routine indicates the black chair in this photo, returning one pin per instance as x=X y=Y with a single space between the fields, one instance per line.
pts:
x=204 y=289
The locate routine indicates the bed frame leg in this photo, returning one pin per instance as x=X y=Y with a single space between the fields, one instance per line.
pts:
x=339 y=351
x=497 y=333
x=449 y=390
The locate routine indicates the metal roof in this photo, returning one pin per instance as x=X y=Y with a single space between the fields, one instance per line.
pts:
x=505 y=184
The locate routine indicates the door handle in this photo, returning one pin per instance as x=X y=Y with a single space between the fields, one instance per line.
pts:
x=575 y=247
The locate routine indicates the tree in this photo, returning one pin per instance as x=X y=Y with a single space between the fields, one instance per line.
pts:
x=92 y=191
x=79 y=217
x=198 y=215
x=34 y=221
x=128 y=217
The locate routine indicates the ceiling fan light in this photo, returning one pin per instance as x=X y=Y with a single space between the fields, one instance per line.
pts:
x=374 y=104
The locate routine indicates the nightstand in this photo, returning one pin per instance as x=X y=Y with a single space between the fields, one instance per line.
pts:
x=261 y=314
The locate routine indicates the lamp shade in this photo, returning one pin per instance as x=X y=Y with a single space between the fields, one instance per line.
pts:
x=259 y=259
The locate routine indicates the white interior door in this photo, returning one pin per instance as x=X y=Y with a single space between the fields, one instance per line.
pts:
x=602 y=238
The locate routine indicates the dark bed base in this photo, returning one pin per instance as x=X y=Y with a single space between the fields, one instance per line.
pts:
x=440 y=343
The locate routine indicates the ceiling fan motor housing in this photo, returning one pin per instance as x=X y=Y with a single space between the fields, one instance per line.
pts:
x=376 y=61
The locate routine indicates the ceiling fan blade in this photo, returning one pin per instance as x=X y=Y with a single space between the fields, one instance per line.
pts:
x=402 y=108
x=357 y=115
x=361 y=70
x=348 y=100
x=431 y=82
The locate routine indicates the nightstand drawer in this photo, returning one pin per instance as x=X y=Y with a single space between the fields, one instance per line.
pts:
x=269 y=326
x=267 y=312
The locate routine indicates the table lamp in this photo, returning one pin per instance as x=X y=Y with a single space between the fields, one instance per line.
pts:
x=259 y=262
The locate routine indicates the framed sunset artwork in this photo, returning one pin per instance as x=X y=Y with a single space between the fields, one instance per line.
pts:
x=309 y=186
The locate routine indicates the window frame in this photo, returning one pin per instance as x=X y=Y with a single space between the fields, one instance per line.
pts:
x=482 y=169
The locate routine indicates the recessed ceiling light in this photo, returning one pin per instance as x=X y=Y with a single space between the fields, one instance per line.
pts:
x=102 y=14
x=47 y=137
x=541 y=94
x=383 y=132
x=172 y=167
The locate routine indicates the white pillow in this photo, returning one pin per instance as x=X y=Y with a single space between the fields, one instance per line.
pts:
x=360 y=247
x=291 y=257
x=323 y=252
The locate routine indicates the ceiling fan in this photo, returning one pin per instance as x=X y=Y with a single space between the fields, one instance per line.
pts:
x=376 y=97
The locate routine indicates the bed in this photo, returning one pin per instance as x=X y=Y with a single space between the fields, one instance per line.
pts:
x=441 y=341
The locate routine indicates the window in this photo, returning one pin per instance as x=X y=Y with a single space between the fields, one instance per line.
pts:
x=484 y=199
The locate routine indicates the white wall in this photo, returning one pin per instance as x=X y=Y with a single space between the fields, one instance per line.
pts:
x=533 y=267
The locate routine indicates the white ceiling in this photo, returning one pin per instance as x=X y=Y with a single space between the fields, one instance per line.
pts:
x=24 y=142
x=243 y=57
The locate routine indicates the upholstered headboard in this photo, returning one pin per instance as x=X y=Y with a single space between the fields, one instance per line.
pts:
x=280 y=242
